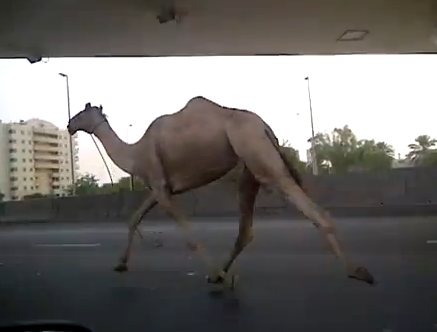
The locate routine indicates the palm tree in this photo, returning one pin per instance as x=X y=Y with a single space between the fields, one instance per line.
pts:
x=386 y=149
x=420 y=148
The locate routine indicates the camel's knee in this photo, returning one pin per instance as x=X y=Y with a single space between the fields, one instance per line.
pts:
x=244 y=238
x=326 y=229
x=133 y=224
x=324 y=221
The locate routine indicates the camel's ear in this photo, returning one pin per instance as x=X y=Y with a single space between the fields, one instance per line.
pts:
x=101 y=108
x=87 y=105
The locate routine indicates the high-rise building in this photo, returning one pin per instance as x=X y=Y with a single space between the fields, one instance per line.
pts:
x=35 y=158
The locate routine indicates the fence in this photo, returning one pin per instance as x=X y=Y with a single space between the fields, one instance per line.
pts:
x=395 y=192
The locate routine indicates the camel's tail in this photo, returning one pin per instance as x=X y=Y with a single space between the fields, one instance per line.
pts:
x=294 y=173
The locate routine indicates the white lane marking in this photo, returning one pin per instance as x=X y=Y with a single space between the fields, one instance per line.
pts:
x=66 y=245
x=431 y=241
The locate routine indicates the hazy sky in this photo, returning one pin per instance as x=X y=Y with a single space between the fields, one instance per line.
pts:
x=390 y=98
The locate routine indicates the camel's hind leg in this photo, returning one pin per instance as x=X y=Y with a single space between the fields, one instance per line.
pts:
x=257 y=151
x=247 y=192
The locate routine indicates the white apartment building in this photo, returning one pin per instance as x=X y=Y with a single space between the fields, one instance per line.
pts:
x=35 y=158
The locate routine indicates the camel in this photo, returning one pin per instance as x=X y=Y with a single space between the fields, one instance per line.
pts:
x=196 y=146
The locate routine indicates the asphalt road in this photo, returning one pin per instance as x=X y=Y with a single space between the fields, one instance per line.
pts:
x=288 y=280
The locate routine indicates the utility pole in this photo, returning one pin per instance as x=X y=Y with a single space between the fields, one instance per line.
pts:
x=72 y=161
x=313 y=145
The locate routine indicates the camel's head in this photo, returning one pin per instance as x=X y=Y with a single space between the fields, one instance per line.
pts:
x=87 y=120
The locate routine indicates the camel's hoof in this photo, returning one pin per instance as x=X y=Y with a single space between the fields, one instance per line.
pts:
x=120 y=267
x=222 y=279
x=362 y=274
x=193 y=246
x=218 y=279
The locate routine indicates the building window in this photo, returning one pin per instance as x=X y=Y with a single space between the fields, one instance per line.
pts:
x=31 y=169
x=30 y=142
x=24 y=169
x=23 y=141
x=24 y=160
x=31 y=179
x=14 y=188
x=11 y=131
x=12 y=141
x=25 y=188
x=14 y=198
x=13 y=178
x=12 y=160
x=13 y=169
x=12 y=150
x=31 y=188
x=24 y=150
x=24 y=179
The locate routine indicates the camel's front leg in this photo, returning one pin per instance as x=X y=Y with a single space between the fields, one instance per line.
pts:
x=165 y=201
x=247 y=192
x=135 y=220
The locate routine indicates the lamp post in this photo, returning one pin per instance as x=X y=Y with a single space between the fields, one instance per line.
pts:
x=127 y=141
x=71 y=138
x=313 y=146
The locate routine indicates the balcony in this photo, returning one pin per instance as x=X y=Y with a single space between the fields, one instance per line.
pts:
x=47 y=156
x=45 y=131
x=45 y=164
x=45 y=139
x=46 y=147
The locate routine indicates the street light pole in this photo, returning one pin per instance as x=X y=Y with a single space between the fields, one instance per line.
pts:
x=131 y=176
x=313 y=145
x=70 y=136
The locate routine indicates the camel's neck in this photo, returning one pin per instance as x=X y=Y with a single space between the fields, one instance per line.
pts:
x=119 y=152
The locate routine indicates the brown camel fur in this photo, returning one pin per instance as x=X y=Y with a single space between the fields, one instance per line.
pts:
x=200 y=144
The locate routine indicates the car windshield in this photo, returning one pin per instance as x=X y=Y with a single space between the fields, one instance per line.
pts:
x=219 y=192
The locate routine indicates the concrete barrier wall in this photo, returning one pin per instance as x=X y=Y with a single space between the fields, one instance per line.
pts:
x=395 y=192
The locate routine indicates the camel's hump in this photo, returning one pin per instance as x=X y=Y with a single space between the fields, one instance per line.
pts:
x=203 y=101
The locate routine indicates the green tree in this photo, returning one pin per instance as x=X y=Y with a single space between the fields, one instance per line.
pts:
x=420 y=148
x=336 y=151
x=373 y=156
x=293 y=156
x=341 y=152
x=430 y=158
x=122 y=184
x=85 y=185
